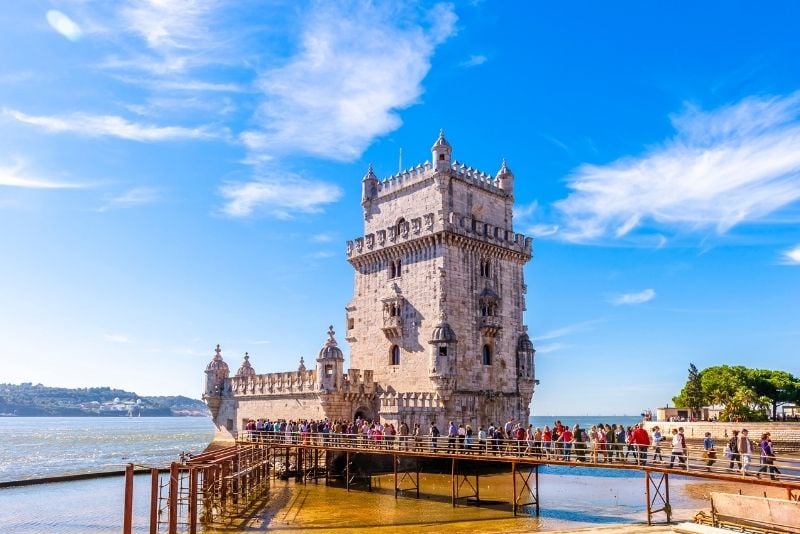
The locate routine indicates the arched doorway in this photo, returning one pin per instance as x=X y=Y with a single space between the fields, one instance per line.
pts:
x=363 y=412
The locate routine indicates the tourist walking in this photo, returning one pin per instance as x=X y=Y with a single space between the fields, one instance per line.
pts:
x=657 y=439
x=768 y=458
x=678 y=449
x=745 y=450
x=709 y=454
x=641 y=441
x=733 y=451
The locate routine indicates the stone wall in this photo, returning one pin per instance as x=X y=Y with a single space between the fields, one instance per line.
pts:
x=785 y=436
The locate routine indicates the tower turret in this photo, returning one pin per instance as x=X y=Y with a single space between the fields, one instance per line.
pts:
x=246 y=369
x=330 y=364
x=216 y=373
x=441 y=153
x=369 y=186
x=505 y=179
x=525 y=352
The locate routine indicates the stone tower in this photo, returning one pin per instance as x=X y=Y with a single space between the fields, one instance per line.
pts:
x=439 y=295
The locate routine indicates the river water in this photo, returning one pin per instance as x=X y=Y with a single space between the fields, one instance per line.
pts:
x=38 y=447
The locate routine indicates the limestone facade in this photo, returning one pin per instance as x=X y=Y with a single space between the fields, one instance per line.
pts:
x=435 y=323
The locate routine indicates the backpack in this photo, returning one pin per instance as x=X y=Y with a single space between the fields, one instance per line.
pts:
x=520 y=433
x=733 y=446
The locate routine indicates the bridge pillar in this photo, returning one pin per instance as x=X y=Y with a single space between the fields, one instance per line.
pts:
x=529 y=489
x=657 y=492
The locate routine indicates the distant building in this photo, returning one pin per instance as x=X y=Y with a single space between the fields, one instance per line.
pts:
x=435 y=324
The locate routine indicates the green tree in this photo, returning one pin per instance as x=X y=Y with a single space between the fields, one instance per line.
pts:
x=691 y=396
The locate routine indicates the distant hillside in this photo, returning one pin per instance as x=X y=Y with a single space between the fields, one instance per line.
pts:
x=30 y=400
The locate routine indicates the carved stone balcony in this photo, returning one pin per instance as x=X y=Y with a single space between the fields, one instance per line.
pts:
x=490 y=326
x=392 y=327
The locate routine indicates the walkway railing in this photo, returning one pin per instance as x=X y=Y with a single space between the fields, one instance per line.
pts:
x=696 y=460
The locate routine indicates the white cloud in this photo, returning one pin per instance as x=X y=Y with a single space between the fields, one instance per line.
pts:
x=541 y=230
x=117 y=338
x=735 y=164
x=567 y=330
x=357 y=65
x=132 y=197
x=474 y=60
x=16 y=176
x=278 y=196
x=633 y=298
x=114 y=126
x=791 y=256
x=322 y=255
x=322 y=238
x=550 y=347
x=180 y=34
x=64 y=25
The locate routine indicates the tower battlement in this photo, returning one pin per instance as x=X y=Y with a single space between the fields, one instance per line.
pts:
x=428 y=226
x=425 y=171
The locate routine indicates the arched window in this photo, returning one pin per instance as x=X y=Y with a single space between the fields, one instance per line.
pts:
x=486 y=356
x=485 y=268
x=394 y=355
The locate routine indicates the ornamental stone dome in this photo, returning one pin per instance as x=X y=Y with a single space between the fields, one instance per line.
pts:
x=442 y=333
x=331 y=350
x=246 y=369
x=524 y=344
x=217 y=364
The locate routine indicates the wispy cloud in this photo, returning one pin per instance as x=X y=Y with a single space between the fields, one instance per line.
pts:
x=64 y=25
x=322 y=254
x=473 y=61
x=724 y=167
x=179 y=35
x=117 y=338
x=16 y=176
x=791 y=256
x=641 y=297
x=114 y=126
x=567 y=330
x=322 y=238
x=132 y=197
x=550 y=347
x=345 y=84
x=278 y=195
x=527 y=213
x=540 y=230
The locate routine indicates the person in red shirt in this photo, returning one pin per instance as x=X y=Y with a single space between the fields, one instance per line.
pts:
x=641 y=440
x=566 y=439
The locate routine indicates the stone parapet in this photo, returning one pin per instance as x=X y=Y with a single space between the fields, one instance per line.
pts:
x=468 y=226
x=292 y=382
x=427 y=225
x=425 y=171
x=785 y=436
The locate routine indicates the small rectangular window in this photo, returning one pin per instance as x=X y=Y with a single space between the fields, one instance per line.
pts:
x=351 y=323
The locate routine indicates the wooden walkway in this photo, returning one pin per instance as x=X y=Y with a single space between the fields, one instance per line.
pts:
x=230 y=482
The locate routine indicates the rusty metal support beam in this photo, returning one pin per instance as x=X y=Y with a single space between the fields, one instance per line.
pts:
x=193 y=500
x=529 y=488
x=127 y=514
x=154 y=476
x=657 y=493
x=174 y=473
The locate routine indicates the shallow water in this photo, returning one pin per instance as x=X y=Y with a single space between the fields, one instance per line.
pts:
x=34 y=447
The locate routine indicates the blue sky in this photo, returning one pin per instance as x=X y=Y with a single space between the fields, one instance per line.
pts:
x=175 y=175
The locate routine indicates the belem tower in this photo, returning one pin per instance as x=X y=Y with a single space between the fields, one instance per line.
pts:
x=435 y=324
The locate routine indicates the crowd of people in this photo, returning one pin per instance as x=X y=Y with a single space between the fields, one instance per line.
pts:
x=601 y=443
